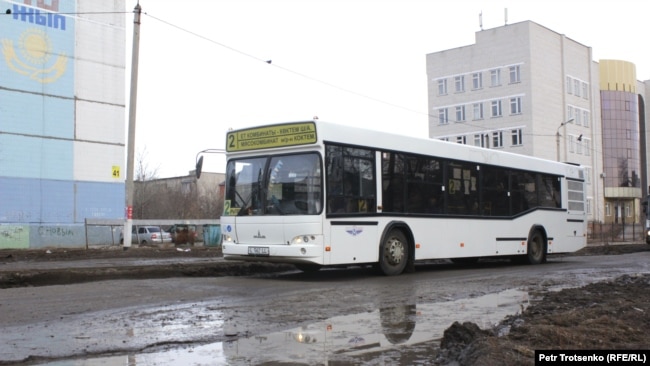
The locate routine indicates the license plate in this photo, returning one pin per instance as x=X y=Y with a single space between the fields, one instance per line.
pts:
x=258 y=251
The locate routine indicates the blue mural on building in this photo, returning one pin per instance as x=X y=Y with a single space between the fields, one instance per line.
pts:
x=40 y=202
x=38 y=47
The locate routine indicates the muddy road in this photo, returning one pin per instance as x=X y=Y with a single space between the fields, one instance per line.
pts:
x=335 y=316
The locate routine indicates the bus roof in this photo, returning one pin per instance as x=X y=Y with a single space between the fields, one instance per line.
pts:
x=305 y=133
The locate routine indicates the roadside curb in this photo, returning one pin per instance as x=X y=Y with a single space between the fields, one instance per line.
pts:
x=62 y=276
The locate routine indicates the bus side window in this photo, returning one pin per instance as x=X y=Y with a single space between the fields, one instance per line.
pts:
x=350 y=179
x=496 y=201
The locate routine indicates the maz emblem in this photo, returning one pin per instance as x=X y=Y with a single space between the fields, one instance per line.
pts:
x=354 y=231
x=259 y=235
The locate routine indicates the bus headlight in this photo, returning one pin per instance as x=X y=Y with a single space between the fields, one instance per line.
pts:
x=226 y=238
x=302 y=239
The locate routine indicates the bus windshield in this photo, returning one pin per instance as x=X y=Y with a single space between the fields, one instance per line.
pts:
x=274 y=185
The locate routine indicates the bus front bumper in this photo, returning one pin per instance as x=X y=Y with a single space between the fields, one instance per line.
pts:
x=274 y=253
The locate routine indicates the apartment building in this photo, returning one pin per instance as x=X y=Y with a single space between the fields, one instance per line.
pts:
x=529 y=90
x=62 y=104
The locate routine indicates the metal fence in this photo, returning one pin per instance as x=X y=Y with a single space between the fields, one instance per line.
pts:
x=106 y=232
x=616 y=232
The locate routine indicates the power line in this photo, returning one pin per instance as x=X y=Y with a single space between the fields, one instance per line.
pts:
x=269 y=62
x=483 y=129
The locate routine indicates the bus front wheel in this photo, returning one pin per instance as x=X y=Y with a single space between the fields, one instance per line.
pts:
x=536 y=248
x=393 y=253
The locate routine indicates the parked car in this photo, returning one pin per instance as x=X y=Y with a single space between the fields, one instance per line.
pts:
x=148 y=235
x=183 y=233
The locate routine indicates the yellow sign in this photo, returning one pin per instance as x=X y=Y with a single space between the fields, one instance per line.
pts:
x=289 y=134
x=116 y=171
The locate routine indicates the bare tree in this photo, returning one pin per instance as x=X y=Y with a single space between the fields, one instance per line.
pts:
x=143 y=172
x=144 y=197
x=178 y=198
x=211 y=206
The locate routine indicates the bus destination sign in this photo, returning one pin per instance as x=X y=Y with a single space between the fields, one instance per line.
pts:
x=291 y=134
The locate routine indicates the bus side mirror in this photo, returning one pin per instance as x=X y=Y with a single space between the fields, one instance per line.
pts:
x=199 y=166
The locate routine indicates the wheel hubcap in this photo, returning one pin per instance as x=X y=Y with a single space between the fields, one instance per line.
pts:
x=395 y=251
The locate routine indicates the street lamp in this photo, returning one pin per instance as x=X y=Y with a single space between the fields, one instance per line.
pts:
x=557 y=137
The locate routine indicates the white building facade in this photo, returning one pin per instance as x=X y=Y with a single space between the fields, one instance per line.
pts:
x=526 y=89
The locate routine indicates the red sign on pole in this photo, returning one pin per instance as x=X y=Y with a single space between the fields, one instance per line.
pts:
x=129 y=212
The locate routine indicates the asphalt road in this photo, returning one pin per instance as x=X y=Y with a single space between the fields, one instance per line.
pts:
x=349 y=315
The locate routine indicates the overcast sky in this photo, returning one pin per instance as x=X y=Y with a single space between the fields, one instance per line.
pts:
x=203 y=69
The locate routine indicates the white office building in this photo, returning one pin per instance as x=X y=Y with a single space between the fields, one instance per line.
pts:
x=526 y=89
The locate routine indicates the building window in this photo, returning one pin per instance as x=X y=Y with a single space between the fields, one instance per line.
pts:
x=443 y=116
x=460 y=83
x=585 y=90
x=517 y=137
x=514 y=74
x=579 y=145
x=496 y=108
x=477 y=80
x=569 y=112
x=186 y=187
x=478 y=140
x=588 y=206
x=569 y=85
x=572 y=144
x=482 y=140
x=576 y=89
x=587 y=146
x=577 y=117
x=585 y=118
x=442 y=87
x=608 y=209
x=495 y=77
x=497 y=139
x=478 y=110
x=460 y=113
x=515 y=105
x=461 y=140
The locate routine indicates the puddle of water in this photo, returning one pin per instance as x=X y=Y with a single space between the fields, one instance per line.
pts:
x=338 y=338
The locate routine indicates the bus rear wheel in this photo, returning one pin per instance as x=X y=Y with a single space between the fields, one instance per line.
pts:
x=536 y=253
x=393 y=253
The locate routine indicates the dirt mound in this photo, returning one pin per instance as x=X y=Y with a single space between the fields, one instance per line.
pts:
x=612 y=315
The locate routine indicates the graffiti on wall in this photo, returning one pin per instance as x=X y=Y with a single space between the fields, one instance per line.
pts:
x=14 y=236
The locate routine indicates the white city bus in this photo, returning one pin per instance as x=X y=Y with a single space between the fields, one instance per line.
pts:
x=320 y=194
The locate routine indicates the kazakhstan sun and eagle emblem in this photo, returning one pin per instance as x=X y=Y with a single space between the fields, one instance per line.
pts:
x=34 y=57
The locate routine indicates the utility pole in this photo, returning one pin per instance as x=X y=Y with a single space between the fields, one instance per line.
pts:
x=128 y=224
